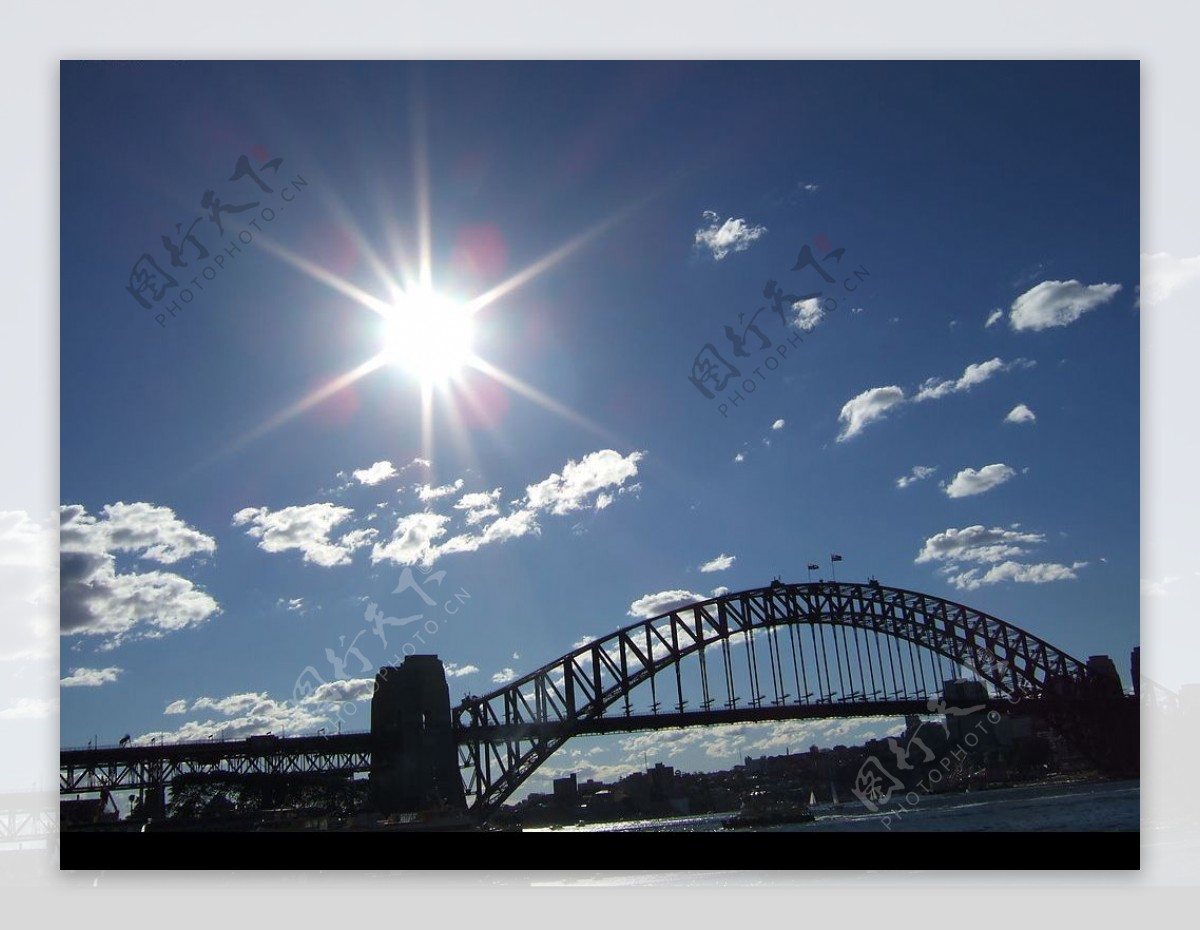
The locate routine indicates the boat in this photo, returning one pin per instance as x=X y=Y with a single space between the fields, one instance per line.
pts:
x=768 y=808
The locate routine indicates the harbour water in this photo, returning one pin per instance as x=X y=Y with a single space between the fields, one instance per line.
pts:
x=1103 y=806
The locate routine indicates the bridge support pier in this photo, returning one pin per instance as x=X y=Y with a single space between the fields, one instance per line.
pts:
x=414 y=763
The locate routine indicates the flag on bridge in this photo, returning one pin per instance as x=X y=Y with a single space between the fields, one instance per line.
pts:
x=813 y=566
x=835 y=558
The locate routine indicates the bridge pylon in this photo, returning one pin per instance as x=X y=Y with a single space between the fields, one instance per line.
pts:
x=414 y=762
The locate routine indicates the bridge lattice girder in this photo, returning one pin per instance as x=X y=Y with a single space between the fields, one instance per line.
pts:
x=583 y=684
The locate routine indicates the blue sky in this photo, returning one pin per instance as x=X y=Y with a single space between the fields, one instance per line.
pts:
x=989 y=353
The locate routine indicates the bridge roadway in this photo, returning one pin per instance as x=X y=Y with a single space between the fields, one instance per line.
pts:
x=121 y=768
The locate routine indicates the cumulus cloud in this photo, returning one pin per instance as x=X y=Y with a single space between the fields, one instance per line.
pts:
x=1163 y=275
x=969 y=482
x=512 y=526
x=176 y=707
x=413 y=540
x=1058 y=303
x=571 y=490
x=429 y=493
x=977 y=544
x=1023 y=573
x=1020 y=414
x=96 y=599
x=306 y=528
x=740 y=457
x=376 y=473
x=719 y=564
x=733 y=235
x=454 y=670
x=874 y=404
x=343 y=690
x=995 y=548
x=720 y=591
x=994 y=317
x=479 y=505
x=807 y=314
x=90 y=677
x=977 y=373
x=866 y=408
x=651 y=605
x=248 y=714
x=918 y=473
x=504 y=676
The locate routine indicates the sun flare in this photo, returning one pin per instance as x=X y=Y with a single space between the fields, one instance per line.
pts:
x=428 y=336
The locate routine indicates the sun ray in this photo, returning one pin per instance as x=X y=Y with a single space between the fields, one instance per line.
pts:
x=329 y=279
x=307 y=402
x=421 y=181
x=547 y=402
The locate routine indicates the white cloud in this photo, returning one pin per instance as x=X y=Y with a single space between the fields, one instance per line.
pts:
x=994 y=317
x=977 y=544
x=306 y=528
x=90 y=677
x=740 y=457
x=994 y=548
x=413 y=540
x=504 y=676
x=96 y=599
x=719 y=564
x=720 y=591
x=867 y=407
x=1020 y=414
x=734 y=235
x=918 y=473
x=651 y=605
x=1036 y=573
x=595 y=480
x=1163 y=275
x=429 y=493
x=176 y=707
x=1058 y=303
x=810 y=188
x=291 y=603
x=458 y=671
x=778 y=424
x=873 y=404
x=513 y=526
x=977 y=373
x=247 y=714
x=342 y=690
x=596 y=471
x=479 y=505
x=808 y=314
x=376 y=473
x=969 y=482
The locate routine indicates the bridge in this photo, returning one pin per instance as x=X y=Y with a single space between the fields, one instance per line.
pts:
x=818 y=650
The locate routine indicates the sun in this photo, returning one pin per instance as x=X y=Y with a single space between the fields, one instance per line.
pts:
x=428 y=335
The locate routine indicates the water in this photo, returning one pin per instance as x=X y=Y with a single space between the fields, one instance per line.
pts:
x=1108 y=806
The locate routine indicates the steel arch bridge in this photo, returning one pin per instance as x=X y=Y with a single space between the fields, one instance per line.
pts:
x=783 y=652
x=833 y=649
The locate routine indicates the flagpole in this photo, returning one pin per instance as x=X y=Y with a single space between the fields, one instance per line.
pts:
x=833 y=566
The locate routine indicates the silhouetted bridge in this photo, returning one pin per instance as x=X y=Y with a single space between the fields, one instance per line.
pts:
x=783 y=652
